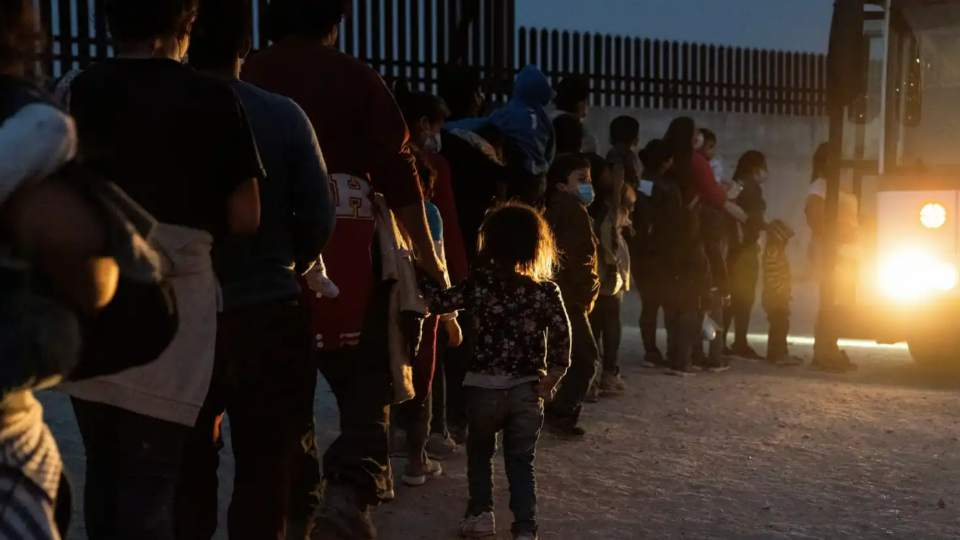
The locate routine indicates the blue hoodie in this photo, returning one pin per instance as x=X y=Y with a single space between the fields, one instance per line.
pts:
x=525 y=120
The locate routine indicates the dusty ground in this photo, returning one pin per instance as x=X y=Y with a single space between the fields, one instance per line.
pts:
x=755 y=453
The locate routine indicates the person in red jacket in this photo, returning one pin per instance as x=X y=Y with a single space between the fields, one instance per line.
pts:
x=364 y=138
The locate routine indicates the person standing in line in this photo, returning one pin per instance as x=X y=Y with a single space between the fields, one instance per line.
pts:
x=523 y=351
x=777 y=294
x=178 y=143
x=651 y=245
x=264 y=372
x=744 y=253
x=713 y=230
x=573 y=98
x=570 y=193
x=625 y=138
x=613 y=269
x=364 y=137
x=688 y=266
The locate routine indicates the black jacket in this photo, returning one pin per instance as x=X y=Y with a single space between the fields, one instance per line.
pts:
x=577 y=247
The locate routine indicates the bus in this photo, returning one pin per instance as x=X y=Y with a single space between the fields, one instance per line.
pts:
x=894 y=110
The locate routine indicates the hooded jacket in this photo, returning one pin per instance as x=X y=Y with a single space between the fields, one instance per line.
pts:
x=525 y=120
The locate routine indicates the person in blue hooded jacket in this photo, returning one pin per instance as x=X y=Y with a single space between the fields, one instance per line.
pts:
x=526 y=122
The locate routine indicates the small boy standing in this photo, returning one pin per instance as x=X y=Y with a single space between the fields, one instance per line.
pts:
x=523 y=350
x=777 y=293
x=570 y=192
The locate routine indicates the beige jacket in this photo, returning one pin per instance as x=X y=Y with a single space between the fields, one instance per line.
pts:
x=174 y=387
x=405 y=297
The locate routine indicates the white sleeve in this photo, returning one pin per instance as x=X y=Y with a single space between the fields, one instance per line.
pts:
x=34 y=142
x=818 y=188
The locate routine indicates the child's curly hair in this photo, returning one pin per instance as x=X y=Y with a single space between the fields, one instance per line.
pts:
x=515 y=238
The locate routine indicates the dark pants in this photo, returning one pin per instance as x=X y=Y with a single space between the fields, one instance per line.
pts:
x=714 y=355
x=584 y=360
x=415 y=418
x=264 y=379
x=779 y=320
x=607 y=331
x=518 y=412
x=133 y=462
x=456 y=362
x=684 y=319
x=362 y=384
x=438 y=394
x=744 y=273
x=652 y=297
x=414 y=415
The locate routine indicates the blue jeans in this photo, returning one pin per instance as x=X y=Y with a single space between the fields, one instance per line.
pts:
x=518 y=412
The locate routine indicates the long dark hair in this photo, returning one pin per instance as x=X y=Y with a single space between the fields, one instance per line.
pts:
x=17 y=33
x=680 y=137
x=821 y=159
x=749 y=162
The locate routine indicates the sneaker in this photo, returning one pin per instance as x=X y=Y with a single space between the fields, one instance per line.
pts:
x=717 y=368
x=481 y=526
x=345 y=514
x=688 y=371
x=459 y=434
x=390 y=494
x=417 y=474
x=653 y=359
x=611 y=384
x=441 y=448
x=744 y=351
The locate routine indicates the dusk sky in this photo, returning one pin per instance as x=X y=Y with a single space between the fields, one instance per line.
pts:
x=801 y=25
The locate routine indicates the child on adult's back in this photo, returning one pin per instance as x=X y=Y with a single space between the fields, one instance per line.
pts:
x=522 y=352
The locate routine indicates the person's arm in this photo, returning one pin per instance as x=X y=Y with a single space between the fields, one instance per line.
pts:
x=237 y=157
x=451 y=300
x=579 y=260
x=310 y=196
x=393 y=173
x=35 y=141
x=558 y=343
x=454 y=250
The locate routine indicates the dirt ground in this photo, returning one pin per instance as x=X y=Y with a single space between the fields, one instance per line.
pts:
x=754 y=453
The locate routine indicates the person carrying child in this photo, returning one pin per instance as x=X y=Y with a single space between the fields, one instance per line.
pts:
x=522 y=353
x=570 y=193
x=777 y=293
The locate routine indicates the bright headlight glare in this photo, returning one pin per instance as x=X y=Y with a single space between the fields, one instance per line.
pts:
x=915 y=276
x=933 y=216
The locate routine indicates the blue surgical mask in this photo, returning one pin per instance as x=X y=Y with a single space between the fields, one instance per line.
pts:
x=587 y=195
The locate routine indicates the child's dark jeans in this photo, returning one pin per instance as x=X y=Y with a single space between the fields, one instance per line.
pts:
x=518 y=412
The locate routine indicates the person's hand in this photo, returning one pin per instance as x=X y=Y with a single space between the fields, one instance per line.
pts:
x=548 y=387
x=454 y=333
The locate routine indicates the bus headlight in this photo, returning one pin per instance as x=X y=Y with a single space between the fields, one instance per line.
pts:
x=916 y=276
x=933 y=216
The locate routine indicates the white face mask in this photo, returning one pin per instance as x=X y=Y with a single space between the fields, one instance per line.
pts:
x=433 y=143
x=698 y=142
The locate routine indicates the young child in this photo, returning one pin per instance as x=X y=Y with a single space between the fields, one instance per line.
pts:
x=522 y=352
x=777 y=293
x=625 y=137
x=614 y=272
x=709 y=151
x=571 y=191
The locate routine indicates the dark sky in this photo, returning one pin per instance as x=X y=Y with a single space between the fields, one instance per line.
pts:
x=800 y=25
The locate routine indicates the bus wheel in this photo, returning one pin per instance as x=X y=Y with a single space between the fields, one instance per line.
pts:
x=935 y=352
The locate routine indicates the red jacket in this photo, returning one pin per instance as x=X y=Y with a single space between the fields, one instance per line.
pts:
x=457 y=265
x=363 y=137
x=705 y=183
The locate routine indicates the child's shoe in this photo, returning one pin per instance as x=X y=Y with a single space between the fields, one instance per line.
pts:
x=481 y=526
x=441 y=448
x=417 y=474
x=319 y=283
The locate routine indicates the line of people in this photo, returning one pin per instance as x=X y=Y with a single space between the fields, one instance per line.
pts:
x=183 y=185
